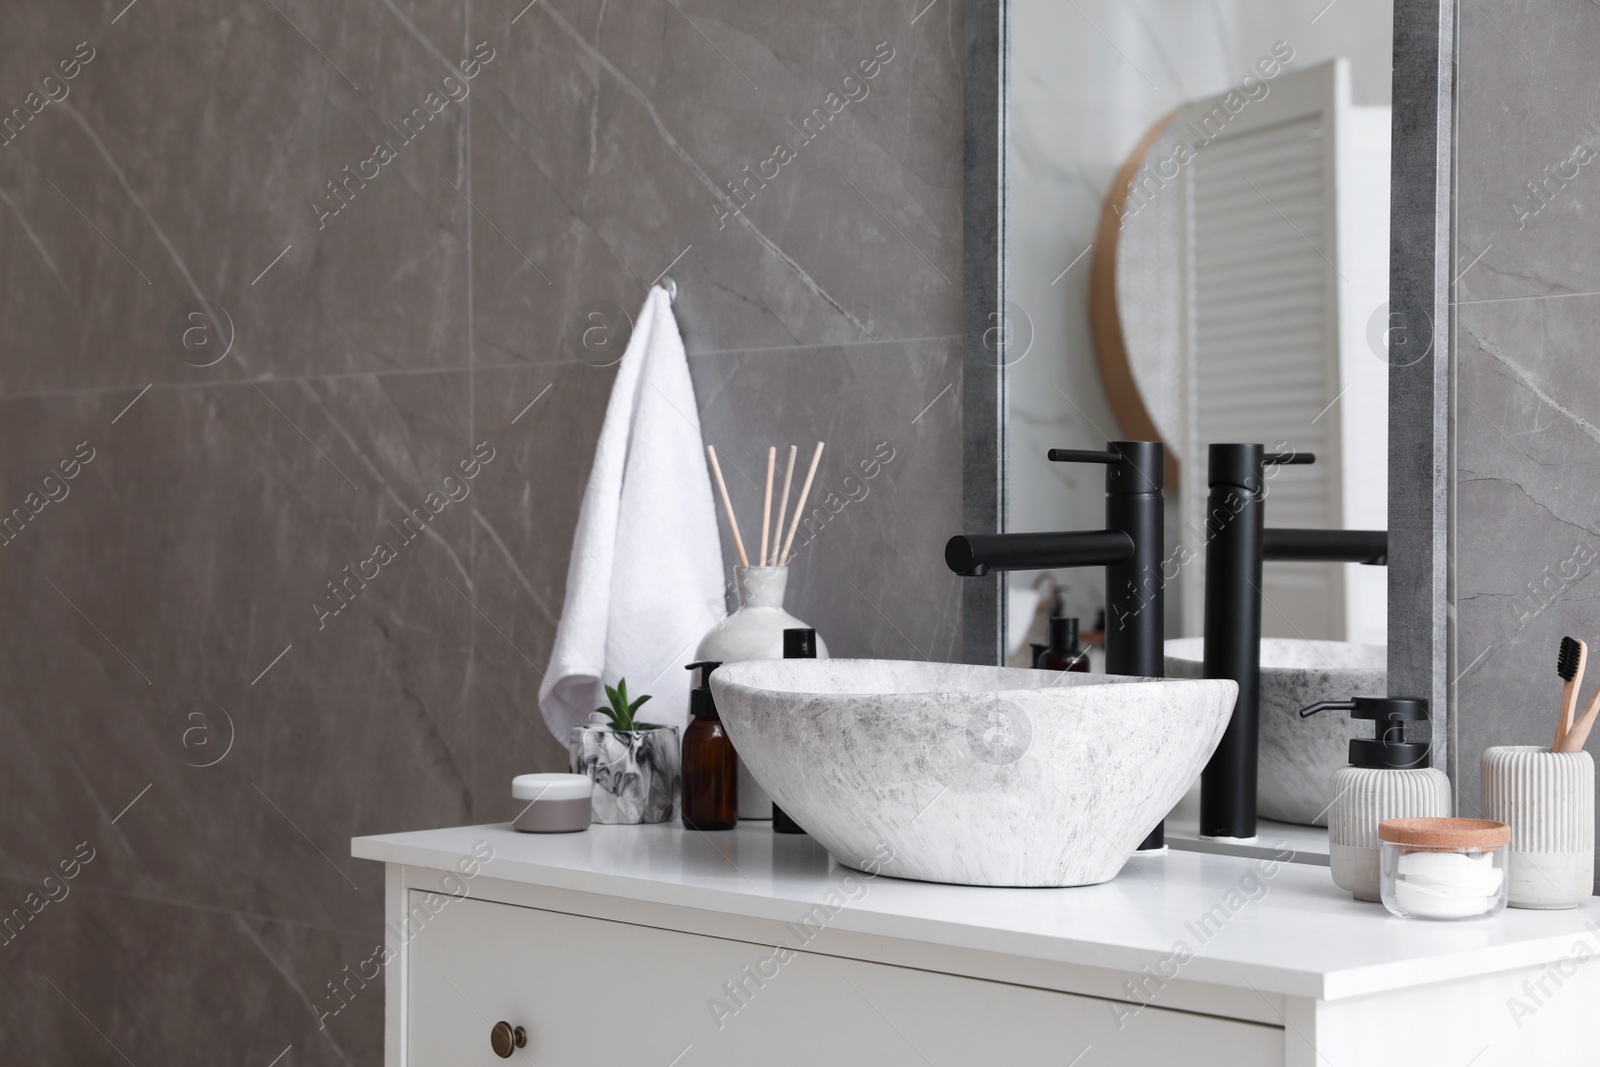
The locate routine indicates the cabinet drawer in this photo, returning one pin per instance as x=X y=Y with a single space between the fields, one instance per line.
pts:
x=593 y=992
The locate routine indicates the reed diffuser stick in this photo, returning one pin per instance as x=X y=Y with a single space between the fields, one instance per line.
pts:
x=727 y=505
x=766 y=507
x=783 y=504
x=800 y=506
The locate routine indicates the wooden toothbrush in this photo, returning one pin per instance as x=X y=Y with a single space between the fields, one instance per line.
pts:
x=1570 y=661
x=1575 y=737
x=1579 y=733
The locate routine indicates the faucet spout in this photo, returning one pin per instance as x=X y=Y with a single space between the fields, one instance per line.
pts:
x=1370 y=547
x=1129 y=548
x=972 y=555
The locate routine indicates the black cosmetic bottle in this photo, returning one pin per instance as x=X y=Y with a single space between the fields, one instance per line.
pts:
x=797 y=644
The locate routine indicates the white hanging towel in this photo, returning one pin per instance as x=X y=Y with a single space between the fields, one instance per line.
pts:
x=644 y=582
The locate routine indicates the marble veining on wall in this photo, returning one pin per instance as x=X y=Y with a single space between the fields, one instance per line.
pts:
x=1527 y=403
x=270 y=274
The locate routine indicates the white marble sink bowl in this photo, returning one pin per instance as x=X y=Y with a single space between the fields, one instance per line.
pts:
x=1299 y=756
x=945 y=772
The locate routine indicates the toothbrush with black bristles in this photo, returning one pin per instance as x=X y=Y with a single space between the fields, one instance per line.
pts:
x=1570 y=661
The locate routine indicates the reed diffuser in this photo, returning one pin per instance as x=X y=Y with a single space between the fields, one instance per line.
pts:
x=755 y=630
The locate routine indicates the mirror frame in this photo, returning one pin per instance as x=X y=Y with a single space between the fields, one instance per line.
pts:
x=1419 y=321
x=985 y=139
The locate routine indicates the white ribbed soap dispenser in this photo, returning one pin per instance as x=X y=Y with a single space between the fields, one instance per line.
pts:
x=1388 y=778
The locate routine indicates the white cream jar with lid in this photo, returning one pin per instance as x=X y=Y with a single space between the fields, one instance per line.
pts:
x=552 y=803
x=1443 y=868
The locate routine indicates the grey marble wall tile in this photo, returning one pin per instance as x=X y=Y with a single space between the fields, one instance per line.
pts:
x=191 y=151
x=167 y=604
x=524 y=520
x=1527 y=407
x=34 y=1021
x=1527 y=542
x=603 y=147
x=1530 y=148
x=178 y=597
x=164 y=983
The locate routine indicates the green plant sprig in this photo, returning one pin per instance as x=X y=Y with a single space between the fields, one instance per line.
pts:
x=620 y=712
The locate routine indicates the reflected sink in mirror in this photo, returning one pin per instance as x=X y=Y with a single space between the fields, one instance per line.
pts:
x=1298 y=756
x=971 y=775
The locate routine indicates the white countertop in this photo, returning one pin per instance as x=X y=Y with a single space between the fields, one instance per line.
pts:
x=1300 y=935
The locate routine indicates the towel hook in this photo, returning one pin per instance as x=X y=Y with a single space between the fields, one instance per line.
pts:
x=671 y=287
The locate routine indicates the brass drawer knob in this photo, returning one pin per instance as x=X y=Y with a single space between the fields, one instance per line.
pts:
x=506 y=1039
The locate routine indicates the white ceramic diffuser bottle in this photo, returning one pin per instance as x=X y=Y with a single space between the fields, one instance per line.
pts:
x=754 y=631
x=1388 y=778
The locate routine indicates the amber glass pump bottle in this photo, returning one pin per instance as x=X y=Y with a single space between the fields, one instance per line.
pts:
x=710 y=770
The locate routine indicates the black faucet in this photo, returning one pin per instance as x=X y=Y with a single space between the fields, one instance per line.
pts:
x=1129 y=548
x=1237 y=543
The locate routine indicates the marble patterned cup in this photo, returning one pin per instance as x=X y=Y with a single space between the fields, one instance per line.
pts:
x=637 y=773
x=1547 y=798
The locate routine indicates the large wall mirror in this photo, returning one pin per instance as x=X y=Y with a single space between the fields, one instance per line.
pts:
x=1198 y=252
x=1209 y=223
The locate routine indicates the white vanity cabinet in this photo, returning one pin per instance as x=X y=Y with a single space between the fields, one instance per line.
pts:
x=653 y=946
x=598 y=991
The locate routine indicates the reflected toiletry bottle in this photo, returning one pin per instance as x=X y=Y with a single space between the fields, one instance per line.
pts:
x=755 y=631
x=1063 y=653
x=797 y=644
x=710 y=769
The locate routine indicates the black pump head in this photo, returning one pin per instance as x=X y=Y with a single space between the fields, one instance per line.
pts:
x=800 y=643
x=1063 y=633
x=701 y=706
x=1388 y=749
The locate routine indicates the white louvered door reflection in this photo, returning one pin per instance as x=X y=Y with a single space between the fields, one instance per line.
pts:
x=1266 y=352
x=1264 y=345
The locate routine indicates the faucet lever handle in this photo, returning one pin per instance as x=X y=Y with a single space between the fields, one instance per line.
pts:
x=1132 y=467
x=1328 y=705
x=1082 y=455
x=1288 y=459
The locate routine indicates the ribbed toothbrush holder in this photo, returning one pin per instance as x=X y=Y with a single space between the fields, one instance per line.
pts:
x=1547 y=798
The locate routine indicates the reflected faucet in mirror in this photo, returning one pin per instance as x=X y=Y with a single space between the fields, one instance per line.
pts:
x=1238 y=542
x=1129 y=548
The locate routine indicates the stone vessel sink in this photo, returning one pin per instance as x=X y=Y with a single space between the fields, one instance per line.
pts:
x=971 y=775
x=1299 y=756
